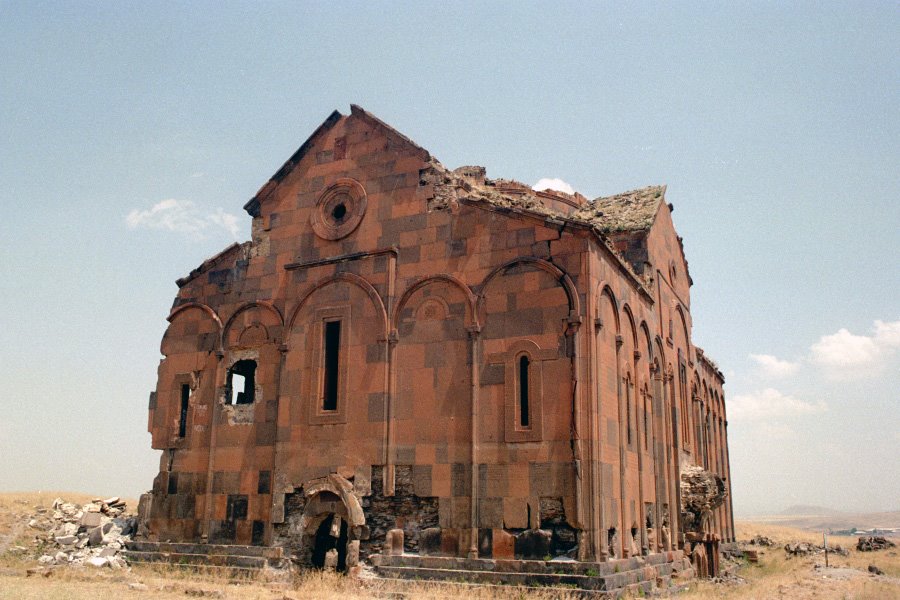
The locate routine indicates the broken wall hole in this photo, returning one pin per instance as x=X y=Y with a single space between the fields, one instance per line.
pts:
x=240 y=386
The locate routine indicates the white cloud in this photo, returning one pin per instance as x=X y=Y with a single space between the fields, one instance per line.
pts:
x=181 y=216
x=226 y=221
x=769 y=403
x=845 y=353
x=775 y=367
x=549 y=183
x=774 y=431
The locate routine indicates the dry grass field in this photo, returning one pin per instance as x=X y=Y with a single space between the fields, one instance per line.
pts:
x=775 y=576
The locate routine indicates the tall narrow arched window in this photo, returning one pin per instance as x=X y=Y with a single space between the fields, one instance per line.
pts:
x=628 y=409
x=524 y=369
x=647 y=413
x=182 y=420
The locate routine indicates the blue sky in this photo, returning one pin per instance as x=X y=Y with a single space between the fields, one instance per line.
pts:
x=775 y=126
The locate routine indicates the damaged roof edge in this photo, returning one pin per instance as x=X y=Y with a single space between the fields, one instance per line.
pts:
x=252 y=205
x=207 y=264
x=702 y=357
x=556 y=220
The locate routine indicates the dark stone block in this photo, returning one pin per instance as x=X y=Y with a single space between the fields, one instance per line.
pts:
x=430 y=541
x=376 y=407
x=264 y=482
x=374 y=353
x=456 y=248
x=493 y=374
x=184 y=506
x=460 y=479
x=265 y=434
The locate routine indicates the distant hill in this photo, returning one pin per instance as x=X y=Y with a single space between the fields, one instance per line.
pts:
x=808 y=510
x=817 y=518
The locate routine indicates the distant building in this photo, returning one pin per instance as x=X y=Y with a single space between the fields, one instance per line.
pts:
x=494 y=370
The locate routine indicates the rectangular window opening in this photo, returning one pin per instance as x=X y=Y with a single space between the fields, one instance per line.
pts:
x=182 y=420
x=524 y=417
x=240 y=387
x=332 y=364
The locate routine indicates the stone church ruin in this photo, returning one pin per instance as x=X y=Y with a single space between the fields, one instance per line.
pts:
x=416 y=366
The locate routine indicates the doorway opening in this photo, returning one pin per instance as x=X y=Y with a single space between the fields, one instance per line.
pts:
x=330 y=535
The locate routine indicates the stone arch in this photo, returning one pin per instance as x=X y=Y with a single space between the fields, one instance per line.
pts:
x=605 y=290
x=272 y=323
x=169 y=343
x=648 y=345
x=339 y=486
x=350 y=307
x=684 y=328
x=631 y=326
x=324 y=501
x=432 y=372
x=661 y=355
x=561 y=276
x=352 y=279
x=471 y=300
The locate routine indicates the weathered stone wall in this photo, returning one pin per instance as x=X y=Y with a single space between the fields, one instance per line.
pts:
x=404 y=510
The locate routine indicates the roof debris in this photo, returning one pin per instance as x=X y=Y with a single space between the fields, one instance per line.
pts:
x=632 y=211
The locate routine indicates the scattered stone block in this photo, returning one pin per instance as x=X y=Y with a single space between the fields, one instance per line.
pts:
x=352 y=553
x=95 y=536
x=91 y=519
x=97 y=561
x=394 y=542
x=331 y=560
x=873 y=543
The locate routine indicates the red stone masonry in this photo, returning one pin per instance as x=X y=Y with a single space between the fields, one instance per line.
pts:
x=434 y=351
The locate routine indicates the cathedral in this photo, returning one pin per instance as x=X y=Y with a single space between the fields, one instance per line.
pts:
x=405 y=351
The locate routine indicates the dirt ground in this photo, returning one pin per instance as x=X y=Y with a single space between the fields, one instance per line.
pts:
x=775 y=576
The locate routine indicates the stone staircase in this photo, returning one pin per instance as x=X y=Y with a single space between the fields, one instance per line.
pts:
x=638 y=575
x=206 y=556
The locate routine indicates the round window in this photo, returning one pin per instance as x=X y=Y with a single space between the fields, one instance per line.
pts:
x=339 y=209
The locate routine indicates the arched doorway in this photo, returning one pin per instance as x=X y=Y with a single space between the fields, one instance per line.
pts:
x=325 y=514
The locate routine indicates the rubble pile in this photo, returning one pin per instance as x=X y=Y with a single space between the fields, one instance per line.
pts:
x=870 y=544
x=805 y=549
x=761 y=540
x=701 y=493
x=92 y=534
